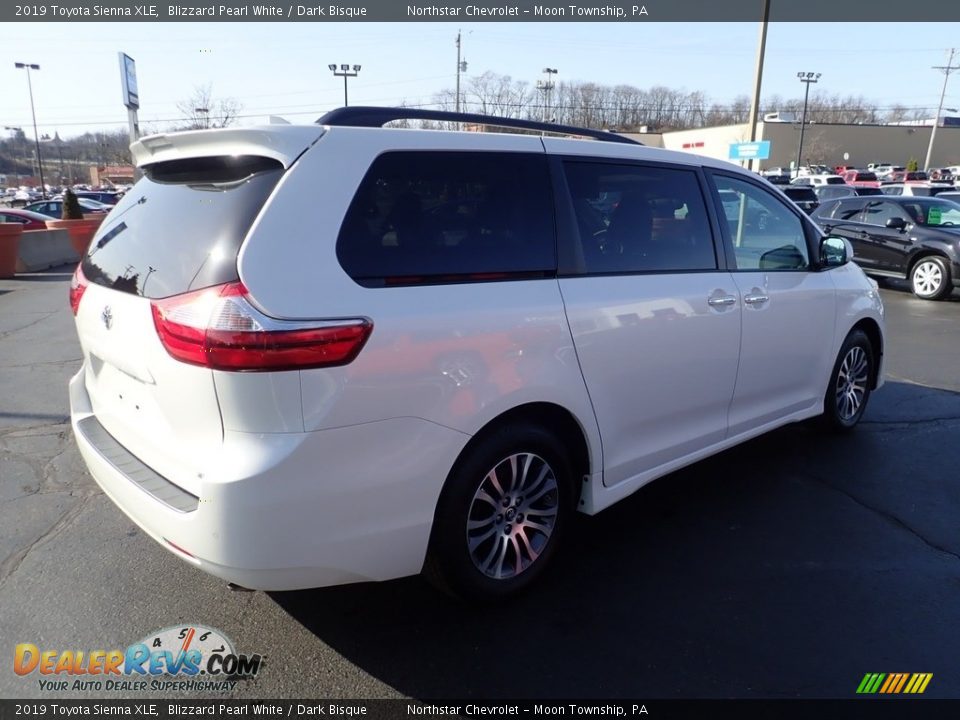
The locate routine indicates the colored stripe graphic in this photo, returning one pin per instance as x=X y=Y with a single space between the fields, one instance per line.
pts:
x=894 y=683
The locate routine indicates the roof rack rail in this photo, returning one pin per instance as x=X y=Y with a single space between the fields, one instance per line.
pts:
x=358 y=116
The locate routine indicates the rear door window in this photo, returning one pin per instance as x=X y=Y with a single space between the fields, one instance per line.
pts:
x=181 y=226
x=637 y=218
x=435 y=217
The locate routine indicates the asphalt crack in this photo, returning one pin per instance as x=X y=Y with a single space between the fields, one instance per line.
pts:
x=888 y=516
x=4 y=335
x=13 y=562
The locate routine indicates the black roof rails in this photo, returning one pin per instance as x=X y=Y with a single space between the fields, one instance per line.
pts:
x=379 y=116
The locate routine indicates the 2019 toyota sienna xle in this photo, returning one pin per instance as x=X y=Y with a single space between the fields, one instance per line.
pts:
x=341 y=352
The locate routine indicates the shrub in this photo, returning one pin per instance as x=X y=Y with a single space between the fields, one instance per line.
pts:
x=71 y=207
x=913 y=165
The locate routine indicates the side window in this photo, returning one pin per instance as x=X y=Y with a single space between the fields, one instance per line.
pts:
x=877 y=213
x=634 y=218
x=765 y=234
x=849 y=210
x=425 y=217
x=893 y=190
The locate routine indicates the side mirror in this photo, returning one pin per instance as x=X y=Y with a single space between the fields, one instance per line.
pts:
x=896 y=223
x=834 y=252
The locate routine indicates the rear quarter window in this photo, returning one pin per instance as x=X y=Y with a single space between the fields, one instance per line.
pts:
x=433 y=217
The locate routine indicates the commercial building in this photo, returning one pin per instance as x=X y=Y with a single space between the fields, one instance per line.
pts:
x=823 y=143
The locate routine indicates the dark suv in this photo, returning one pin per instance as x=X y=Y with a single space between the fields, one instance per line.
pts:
x=804 y=196
x=917 y=238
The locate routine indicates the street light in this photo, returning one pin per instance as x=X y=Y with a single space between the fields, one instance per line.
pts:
x=807 y=78
x=546 y=87
x=36 y=136
x=345 y=72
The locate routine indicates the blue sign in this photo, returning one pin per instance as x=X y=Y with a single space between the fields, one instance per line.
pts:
x=750 y=151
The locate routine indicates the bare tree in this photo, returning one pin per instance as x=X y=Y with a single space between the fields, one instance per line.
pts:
x=201 y=110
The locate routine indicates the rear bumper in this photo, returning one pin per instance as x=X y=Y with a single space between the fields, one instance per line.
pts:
x=287 y=511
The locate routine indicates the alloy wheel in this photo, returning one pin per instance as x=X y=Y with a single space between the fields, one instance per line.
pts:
x=852 y=383
x=512 y=516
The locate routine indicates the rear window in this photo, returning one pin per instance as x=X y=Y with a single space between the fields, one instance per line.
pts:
x=801 y=194
x=181 y=226
x=836 y=181
x=866 y=177
x=434 y=217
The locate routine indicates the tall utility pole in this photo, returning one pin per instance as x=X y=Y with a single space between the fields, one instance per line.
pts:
x=461 y=68
x=807 y=78
x=946 y=69
x=758 y=76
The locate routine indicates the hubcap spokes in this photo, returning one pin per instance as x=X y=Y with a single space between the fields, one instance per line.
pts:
x=852 y=383
x=512 y=516
x=928 y=277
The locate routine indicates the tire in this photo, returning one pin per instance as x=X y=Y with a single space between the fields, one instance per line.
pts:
x=488 y=540
x=930 y=278
x=849 y=388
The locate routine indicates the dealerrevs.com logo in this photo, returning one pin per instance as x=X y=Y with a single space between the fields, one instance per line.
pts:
x=186 y=658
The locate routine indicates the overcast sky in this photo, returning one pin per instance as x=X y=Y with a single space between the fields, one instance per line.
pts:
x=281 y=68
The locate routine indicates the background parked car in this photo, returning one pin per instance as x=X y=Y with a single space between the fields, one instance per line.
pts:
x=833 y=192
x=54 y=208
x=867 y=190
x=909 y=176
x=803 y=196
x=107 y=198
x=914 y=189
x=917 y=238
x=29 y=219
x=861 y=178
x=816 y=180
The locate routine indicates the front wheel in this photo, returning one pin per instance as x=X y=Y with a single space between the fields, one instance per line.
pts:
x=930 y=278
x=501 y=514
x=849 y=389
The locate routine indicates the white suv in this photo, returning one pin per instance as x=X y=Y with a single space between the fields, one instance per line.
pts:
x=332 y=353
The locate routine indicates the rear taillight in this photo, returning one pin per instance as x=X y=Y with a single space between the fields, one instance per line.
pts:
x=220 y=328
x=78 y=286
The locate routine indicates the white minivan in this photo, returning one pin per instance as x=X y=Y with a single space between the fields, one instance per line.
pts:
x=340 y=352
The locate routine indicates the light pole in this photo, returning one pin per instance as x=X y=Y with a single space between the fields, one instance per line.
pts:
x=546 y=87
x=807 y=78
x=206 y=116
x=947 y=69
x=36 y=136
x=345 y=72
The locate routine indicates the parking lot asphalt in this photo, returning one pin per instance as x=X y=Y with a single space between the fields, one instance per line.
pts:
x=787 y=567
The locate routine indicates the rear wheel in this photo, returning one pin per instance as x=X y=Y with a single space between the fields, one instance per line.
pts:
x=849 y=388
x=501 y=514
x=930 y=278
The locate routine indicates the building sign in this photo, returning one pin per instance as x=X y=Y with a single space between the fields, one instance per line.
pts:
x=750 y=151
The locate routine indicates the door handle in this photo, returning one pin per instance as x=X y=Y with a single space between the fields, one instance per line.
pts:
x=756 y=299
x=721 y=301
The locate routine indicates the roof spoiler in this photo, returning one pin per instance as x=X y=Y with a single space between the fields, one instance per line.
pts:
x=358 y=116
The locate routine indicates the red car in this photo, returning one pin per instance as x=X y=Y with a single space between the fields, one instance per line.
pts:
x=861 y=178
x=29 y=219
